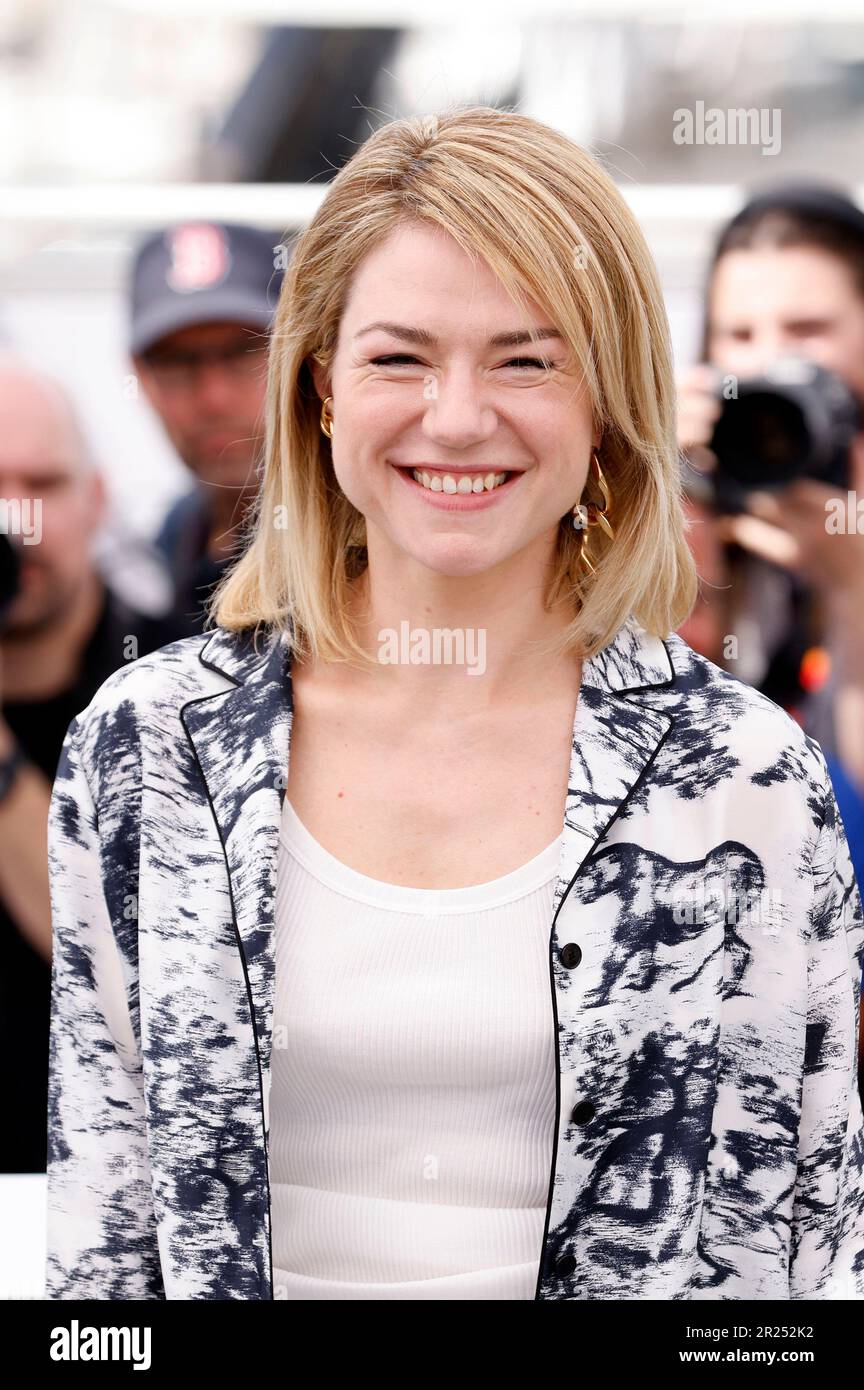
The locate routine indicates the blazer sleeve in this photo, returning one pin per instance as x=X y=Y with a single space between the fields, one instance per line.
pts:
x=827 y=1245
x=101 y=1232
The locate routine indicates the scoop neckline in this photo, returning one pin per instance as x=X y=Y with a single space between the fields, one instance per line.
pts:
x=351 y=883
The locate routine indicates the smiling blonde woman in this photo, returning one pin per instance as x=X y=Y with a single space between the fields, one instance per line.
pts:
x=374 y=981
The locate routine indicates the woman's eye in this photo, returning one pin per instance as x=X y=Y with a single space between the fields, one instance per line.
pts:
x=397 y=358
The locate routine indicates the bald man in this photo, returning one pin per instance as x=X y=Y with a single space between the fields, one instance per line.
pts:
x=62 y=633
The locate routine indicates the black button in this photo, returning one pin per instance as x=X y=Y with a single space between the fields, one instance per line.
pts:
x=570 y=955
x=565 y=1265
x=582 y=1113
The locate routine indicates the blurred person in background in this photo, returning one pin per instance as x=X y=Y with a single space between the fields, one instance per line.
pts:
x=202 y=299
x=787 y=280
x=62 y=632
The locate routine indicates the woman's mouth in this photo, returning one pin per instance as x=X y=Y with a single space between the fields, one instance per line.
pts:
x=458 y=489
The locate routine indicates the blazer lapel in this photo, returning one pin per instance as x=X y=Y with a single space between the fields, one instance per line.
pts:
x=615 y=737
x=241 y=739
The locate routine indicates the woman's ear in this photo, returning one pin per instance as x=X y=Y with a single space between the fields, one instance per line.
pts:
x=320 y=378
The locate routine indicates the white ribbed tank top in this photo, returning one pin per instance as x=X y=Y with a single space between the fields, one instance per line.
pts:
x=413 y=1081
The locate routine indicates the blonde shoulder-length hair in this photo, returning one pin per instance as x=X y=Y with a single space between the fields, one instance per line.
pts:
x=551 y=224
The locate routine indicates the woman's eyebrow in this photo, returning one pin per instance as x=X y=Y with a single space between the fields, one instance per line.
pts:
x=421 y=338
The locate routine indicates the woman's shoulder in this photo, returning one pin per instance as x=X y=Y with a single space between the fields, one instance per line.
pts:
x=149 y=679
x=103 y=738
x=666 y=672
x=150 y=693
x=179 y=670
x=732 y=720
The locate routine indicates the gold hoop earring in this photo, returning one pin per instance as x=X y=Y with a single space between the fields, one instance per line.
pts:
x=327 y=418
x=587 y=514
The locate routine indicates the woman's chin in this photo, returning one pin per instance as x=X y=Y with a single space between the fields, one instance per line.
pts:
x=459 y=561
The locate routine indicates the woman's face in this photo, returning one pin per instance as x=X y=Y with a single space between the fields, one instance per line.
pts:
x=419 y=382
x=799 y=301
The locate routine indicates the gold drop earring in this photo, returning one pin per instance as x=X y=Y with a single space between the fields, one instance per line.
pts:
x=587 y=514
x=327 y=418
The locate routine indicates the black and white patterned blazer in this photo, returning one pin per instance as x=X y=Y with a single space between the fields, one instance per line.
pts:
x=704 y=961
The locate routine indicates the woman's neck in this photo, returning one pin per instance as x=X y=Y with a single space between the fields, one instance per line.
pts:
x=473 y=639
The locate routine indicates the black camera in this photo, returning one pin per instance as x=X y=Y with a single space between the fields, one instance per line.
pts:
x=796 y=420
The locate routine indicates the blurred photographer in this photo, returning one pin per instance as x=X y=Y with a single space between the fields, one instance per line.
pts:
x=62 y=633
x=772 y=426
x=202 y=299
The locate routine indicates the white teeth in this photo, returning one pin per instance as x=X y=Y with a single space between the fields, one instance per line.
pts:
x=464 y=484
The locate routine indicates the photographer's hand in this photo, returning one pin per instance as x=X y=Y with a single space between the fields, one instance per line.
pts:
x=791 y=528
x=797 y=528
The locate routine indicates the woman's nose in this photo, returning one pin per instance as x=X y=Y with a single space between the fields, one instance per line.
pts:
x=458 y=410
